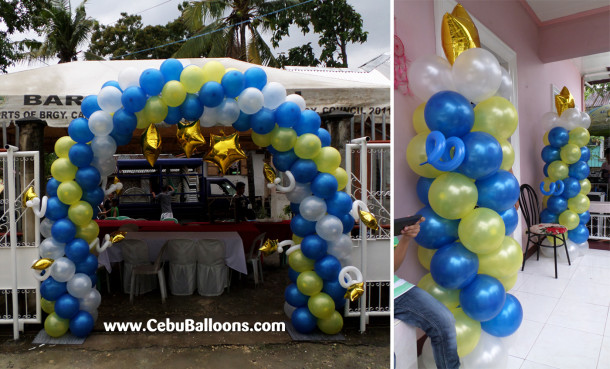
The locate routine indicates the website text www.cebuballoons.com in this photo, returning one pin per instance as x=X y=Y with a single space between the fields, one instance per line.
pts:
x=190 y=325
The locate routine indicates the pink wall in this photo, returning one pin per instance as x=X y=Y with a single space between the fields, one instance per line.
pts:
x=511 y=23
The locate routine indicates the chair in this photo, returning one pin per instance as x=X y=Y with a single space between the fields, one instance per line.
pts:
x=530 y=208
x=135 y=252
x=182 y=255
x=212 y=271
x=150 y=270
x=254 y=257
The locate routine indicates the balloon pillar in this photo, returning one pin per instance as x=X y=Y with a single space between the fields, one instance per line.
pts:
x=566 y=170
x=464 y=159
x=213 y=96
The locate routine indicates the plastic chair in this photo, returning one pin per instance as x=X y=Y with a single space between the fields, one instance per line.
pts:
x=530 y=208
x=254 y=257
x=150 y=269
x=182 y=255
x=135 y=252
x=212 y=271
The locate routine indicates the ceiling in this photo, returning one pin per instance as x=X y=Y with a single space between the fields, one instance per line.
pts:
x=547 y=10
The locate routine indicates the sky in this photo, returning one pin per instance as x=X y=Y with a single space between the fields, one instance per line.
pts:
x=376 y=19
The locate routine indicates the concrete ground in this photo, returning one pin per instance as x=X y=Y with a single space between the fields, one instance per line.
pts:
x=244 y=303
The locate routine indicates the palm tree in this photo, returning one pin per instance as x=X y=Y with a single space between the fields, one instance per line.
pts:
x=235 y=35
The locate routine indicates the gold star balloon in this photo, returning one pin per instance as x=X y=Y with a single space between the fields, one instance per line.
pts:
x=458 y=33
x=117 y=236
x=269 y=247
x=354 y=291
x=269 y=172
x=368 y=219
x=28 y=195
x=151 y=144
x=190 y=137
x=115 y=181
x=42 y=264
x=564 y=100
x=225 y=151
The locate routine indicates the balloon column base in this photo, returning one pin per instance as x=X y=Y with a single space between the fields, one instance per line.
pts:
x=66 y=339
x=316 y=335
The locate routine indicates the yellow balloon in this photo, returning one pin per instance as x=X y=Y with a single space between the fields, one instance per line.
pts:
x=321 y=305
x=468 y=332
x=508 y=155
x=63 y=170
x=80 y=213
x=342 y=178
x=579 y=203
x=449 y=298
x=56 y=326
x=69 y=193
x=503 y=262
x=481 y=231
x=545 y=138
x=296 y=239
x=558 y=170
x=328 y=159
x=47 y=306
x=88 y=232
x=331 y=325
x=424 y=256
x=261 y=140
x=569 y=219
x=300 y=262
x=173 y=94
x=283 y=138
x=496 y=116
x=453 y=195
x=143 y=122
x=509 y=282
x=419 y=122
x=307 y=146
x=192 y=79
x=585 y=186
x=579 y=136
x=309 y=283
x=416 y=154
x=63 y=145
x=545 y=198
x=155 y=109
x=570 y=153
x=213 y=71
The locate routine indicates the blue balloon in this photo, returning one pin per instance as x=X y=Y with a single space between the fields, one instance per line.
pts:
x=324 y=137
x=88 y=178
x=324 y=185
x=507 y=321
x=52 y=185
x=283 y=161
x=511 y=219
x=303 y=320
x=255 y=77
x=243 y=122
x=56 y=209
x=295 y=208
x=51 y=290
x=328 y=267
x=558 y=137
x=314 y=247
x=436 y=231
x=550 y=154
x=79 y=130
x=545 y=169
x=124 y=123
x=302 y=227
x=63 y=230
x=263 y=121
x=483 y=298
x=304 y=170
x=546 y=216
x=348 y=223
x=77 y=250
x=449 y=113
x=66 y=306
x=120 y=139
x=309 y=122
x=571 y=188
x=133 y=99
x=584 y=217
x=423 y=187
x=233 y=82
x=171 y=70
x=339 y=204
x=81 y=324
x=211 y=94
x=294 y=297
x=174 y=115
x=93 y=278
x=579 y=170
x=80 y=154
x=483 y=155
x=272 y=150
x=557 y=204
x=88 y=266
x=152 y=81
x=454 y=266
x=93 y=197
x=498 y=192
x=585 y=154
x=437 y=148
x=579 y=234
x=335 y=291
x=293 y=275
x=191 y=108
x=113 y=84
x=89 y=106
x=287 y=114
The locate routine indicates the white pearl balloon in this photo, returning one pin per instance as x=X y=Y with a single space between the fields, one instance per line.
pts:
x=570 y=119
x=429 y=75
x=297 y=99
x=51 y=249
x=549 y=120
x=209 y=118
x=477 y=74
x=341 y=248
x=129 y=77
x=45 y=227
x=250 y=100
x=300 y=191
x=312 y=208
x=79 y=285
x=91 y=301
x=329 y=227
x=585 y=120
x=62 y=269
x=506 y=86
x=103 y=146
x=228 y=112
x=109 y=99
x=100 y=123
x=274 y=95
x=490 y=352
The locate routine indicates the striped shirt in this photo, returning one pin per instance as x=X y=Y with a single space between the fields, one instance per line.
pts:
x=400 y=285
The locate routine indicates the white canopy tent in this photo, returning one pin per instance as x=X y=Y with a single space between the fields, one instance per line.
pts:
x=54 y=93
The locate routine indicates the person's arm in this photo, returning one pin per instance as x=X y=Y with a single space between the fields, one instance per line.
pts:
x=408 y=233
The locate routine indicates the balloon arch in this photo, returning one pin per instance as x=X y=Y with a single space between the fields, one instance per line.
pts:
x=321 y=246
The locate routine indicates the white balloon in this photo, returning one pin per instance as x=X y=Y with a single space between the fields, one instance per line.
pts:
x=129 y=77
x=477 y=74
x=585 y=120
x=51 y=249
x=549 y=120
x=109 y=99
x=209 y=118
x=228 y=112
x=100 y=123
x=429 y=75
x=312 y=208
x=300 y=191
x=103 y=146
x=91 y=301
x=297 y=99
x=274 y=95
x=570 y=119
x=288 y=309
x=329 y=227
x=94 y=315
x=105 y=166
x=561 y=252
x=62 y=269
x=341 y=248
x=45 y=227
x=506 y=86
x=490 y=352
x=250 y=100
x=79 y=285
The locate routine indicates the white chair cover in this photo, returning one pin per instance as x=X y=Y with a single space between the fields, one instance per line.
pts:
x=182 y=255
x=405 y=345
x=212 y=272
x=135 y=252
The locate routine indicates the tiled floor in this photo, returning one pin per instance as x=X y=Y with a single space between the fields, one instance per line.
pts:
x=566 y=321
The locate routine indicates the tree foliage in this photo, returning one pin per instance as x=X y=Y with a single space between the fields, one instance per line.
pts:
x=301 y=55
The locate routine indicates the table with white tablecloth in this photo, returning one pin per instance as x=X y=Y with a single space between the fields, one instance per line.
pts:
x=234 y=248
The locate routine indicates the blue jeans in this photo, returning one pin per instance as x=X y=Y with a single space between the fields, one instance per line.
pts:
x=418 y=308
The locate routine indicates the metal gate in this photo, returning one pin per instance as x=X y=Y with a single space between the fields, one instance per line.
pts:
x=19 y=239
